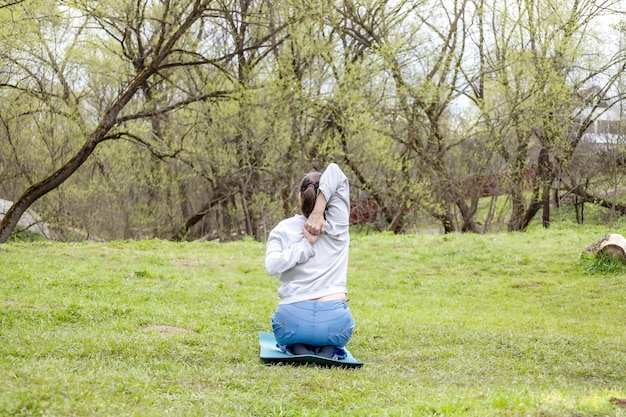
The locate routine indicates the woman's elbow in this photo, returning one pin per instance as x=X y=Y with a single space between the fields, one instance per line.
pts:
x=272 y=267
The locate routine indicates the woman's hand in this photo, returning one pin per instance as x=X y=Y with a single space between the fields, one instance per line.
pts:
x=315 y=224
x=308 y=235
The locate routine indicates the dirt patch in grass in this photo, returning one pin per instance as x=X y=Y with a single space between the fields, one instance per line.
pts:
x=186 y=263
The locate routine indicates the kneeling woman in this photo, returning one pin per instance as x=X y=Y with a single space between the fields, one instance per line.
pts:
x=309 y=253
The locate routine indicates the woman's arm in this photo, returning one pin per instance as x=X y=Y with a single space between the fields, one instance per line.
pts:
x=332 y=206
x=279 y=259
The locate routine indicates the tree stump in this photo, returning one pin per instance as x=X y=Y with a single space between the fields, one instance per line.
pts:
x=613 y=245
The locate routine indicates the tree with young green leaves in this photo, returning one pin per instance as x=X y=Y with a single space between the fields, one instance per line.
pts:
x=145 y=45
x=420 y=49
x=531 y=89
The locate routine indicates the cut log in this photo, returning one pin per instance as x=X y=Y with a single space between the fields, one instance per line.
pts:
x=613 y=245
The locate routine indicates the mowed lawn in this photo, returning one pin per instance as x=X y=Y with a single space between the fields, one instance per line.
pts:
x=447 y=325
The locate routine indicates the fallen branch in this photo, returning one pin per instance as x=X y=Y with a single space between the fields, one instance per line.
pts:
x=590 y=198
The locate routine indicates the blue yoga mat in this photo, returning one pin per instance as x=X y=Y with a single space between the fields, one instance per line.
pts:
x=271 y=354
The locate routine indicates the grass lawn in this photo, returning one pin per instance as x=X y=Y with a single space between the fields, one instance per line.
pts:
x=478 y=325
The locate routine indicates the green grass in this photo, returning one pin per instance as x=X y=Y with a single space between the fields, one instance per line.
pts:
x=480 y=325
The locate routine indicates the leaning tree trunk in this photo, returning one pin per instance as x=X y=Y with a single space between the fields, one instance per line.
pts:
x=43 y=187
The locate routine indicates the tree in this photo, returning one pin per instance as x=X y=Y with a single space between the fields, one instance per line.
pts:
x=532 y=71
x=151 y=41
x=424 y=61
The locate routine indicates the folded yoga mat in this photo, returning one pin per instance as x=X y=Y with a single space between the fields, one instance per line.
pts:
x=270 y=353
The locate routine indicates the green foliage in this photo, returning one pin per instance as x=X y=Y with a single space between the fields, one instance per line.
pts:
x=26 y=236
x=601 y=264
x=257 y=93
x=455 y=325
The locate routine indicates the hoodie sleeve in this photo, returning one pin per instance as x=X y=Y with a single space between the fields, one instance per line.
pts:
x=281 y=255
x=335 y=187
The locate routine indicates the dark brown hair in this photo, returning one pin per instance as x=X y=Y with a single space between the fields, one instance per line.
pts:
x=308 y=191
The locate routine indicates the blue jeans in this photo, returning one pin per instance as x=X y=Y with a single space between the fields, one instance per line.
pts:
x=315 y=323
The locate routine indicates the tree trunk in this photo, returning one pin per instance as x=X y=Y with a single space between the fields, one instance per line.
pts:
x=468 y=213
x=41 y=188
x=545 y=178
x=194 y=219
x=516 y=223
x=446 y=220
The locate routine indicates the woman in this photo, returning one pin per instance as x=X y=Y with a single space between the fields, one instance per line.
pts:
x=309 y=253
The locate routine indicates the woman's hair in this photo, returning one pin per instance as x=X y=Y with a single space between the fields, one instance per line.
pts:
x=308 y=191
